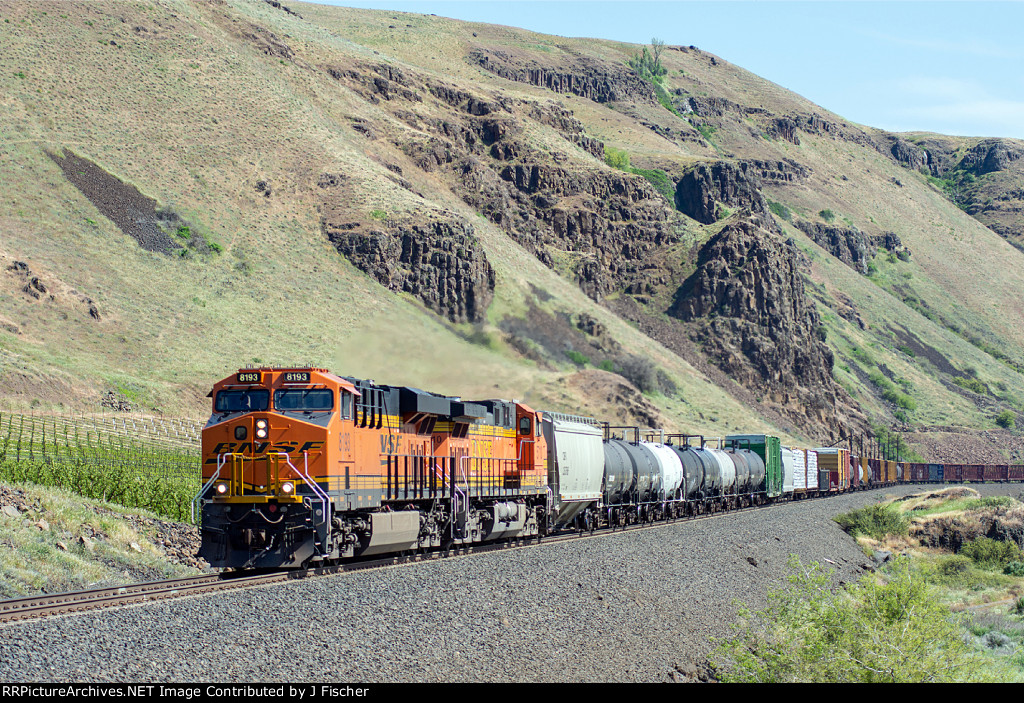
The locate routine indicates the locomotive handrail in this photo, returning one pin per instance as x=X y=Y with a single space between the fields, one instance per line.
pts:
x=202 y=491
x=521 y=443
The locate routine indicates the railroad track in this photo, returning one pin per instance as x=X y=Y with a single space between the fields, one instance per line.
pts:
x=98 y=598
x=80 y=601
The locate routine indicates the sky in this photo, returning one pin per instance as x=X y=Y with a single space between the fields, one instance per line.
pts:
x=949 y=67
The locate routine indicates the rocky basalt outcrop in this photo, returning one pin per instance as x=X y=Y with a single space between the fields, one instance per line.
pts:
x=783 y=172
x=441 y=262
x=735 y=185
x=585 y=76
x=751 y=314
x=991 y=155
x=851 y=246
x=590 y=222
x=908 y=155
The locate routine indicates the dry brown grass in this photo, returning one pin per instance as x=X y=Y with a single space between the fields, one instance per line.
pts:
x=193 y=114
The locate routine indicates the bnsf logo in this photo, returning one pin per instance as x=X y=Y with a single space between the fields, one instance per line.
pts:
x=262 y=448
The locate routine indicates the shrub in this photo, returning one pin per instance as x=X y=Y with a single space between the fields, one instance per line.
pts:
x=1014 y=568
x=1006 y=419
x=640 y=371
x=827 y=215
x=616 y=158
x=706 y=130
x=875 y=521
x=577 y=358
x=972 y=384
x=660 y=180
x=954 y=566
x=780 y=210
x=990 y=553
x=875 y=630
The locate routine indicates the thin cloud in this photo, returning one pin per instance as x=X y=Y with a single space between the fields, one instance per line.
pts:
x=971 y=46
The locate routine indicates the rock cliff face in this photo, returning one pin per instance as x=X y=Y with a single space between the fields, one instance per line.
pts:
x=736 y=185
x=588 y=77
x=851 y=246
x=439 y=262
x=983 y=177
x=606 y=229
x=750 y=312
x=586 y=220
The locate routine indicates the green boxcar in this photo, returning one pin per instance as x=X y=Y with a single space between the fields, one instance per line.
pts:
x=768 y=448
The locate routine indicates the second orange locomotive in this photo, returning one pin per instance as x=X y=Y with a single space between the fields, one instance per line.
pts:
x=301 y=465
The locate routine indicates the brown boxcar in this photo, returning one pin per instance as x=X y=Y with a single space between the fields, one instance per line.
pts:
x=854 y=471
x=974 y=472
x=1016 y=472
x=996 y=472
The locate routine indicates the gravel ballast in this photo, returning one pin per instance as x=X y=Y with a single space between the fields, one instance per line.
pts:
x=640 y=606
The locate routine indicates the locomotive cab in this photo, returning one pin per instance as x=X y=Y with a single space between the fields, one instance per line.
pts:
x=265 y=455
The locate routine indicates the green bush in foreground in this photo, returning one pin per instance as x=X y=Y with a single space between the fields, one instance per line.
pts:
x=875 y=521
x=876 y=630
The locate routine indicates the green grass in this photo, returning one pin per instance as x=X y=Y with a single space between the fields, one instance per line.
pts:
x=875 y=521
x=66 y=542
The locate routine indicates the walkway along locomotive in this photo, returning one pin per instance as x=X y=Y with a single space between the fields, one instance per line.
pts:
x=303 y=466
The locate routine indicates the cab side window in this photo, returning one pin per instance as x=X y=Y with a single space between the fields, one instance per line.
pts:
x=524 y=425
x=346 y=405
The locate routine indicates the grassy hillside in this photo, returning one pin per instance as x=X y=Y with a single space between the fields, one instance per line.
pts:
x=252 y=126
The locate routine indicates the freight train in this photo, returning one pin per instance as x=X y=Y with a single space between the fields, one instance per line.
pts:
x=302 y=466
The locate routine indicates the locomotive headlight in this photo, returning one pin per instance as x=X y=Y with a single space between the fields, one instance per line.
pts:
x=261 y=433
x=261 y=429
x=221 y=488
x=288 y=487
x=261 y=424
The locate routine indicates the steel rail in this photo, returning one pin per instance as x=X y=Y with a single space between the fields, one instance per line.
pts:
x=78 y=601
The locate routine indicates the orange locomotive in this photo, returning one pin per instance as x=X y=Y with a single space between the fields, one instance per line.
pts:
x=301 y=465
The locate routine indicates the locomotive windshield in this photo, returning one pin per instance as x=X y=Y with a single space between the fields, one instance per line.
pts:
x=301 y=399
x=242 y=401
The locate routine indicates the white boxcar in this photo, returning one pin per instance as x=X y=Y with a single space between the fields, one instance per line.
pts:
x=799 y=469
x=671 y=469
x=812 y=470
x=575 y=463
x=788 y=470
